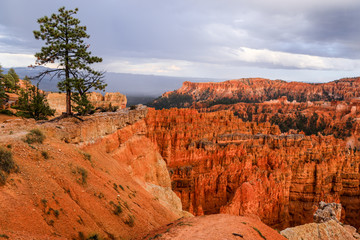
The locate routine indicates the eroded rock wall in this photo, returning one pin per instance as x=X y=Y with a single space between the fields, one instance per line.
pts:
x=57 y=100
x=218 y=163
x=101 y=177
x=255 y=90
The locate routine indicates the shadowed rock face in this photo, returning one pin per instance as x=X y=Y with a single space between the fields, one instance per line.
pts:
x=327 y=212
x=218 y=163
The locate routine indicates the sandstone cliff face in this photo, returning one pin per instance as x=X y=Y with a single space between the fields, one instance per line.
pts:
x=95 y=126
x=218 y=163
x=339 y=118
x=113 y=183
x=57 y=100
x=257 y=90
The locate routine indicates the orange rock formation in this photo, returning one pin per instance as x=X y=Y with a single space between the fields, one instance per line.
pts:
x=257 y=90
x=218 y=163
x=57 y=100
x=95 y=187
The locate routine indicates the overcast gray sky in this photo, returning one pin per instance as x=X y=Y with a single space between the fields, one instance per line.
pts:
x=293 y=40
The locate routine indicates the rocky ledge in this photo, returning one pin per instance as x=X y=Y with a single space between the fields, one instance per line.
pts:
x=326 y=226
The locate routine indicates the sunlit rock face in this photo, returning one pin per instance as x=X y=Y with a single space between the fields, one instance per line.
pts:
x=218 y=163
x=255 y=90
x=57 y=101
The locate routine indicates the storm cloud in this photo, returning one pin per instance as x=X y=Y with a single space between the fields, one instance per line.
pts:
x=292 y=40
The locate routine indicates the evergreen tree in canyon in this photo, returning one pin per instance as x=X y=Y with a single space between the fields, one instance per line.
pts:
x=3 y=96
x=64 y=45
x=32 y=104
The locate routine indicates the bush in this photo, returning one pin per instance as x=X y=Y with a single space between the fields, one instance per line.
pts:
x=174 y=99
x=87 y=156
x=94 y=236
x=7 y=165
x=259 y=232
x=129 y=221
x=33 y=104
x=45 y=154
x=35 y=136
x=4 y=236
x=117 y=208
x=83 y=173
x=6 y=112
x=109 y=108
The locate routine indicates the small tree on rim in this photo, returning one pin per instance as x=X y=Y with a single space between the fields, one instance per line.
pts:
x=32 y=104
x=3 y=96
x=64 y=44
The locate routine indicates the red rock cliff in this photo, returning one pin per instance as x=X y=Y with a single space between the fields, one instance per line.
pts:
x=257 y=90
x=218 y=163
x=57 y=100
x=100 y=178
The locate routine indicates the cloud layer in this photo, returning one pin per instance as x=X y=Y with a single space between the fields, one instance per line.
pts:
x=221 y=39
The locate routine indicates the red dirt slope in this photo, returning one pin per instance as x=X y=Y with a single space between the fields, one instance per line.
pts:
x=215 y=227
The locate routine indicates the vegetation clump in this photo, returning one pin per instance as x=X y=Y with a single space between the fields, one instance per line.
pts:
x=87 y=156
x=45 y=154
x=130 y=221
x=4 y=236
x=261 y=235
x=83 y=174
x=7 y=164
x=33 y=104
x=109 y=108
x=35 y=136
x=173 y=100
x=117 y=209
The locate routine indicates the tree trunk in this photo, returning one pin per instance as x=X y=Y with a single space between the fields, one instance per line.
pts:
x=68 y=102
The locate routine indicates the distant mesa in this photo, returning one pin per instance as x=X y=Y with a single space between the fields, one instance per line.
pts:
x=256 y=90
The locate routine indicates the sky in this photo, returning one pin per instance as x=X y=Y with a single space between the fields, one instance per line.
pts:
x=311 y=41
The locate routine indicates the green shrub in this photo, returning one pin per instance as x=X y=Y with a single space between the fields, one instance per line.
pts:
x=83 y=173
x=130 y=221
x=6 y=112
x=259 y=232
x=94 y=236
x=7 y=163
x=45 y=154
x=4 y=236
x=87 y=156
x=35 y=136
x=117 y=208
x=56 y=213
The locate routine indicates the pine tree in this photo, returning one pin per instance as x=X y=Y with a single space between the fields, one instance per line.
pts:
x=64 y=44
x=32 y=104
x=82 y=104
x=14 y=78
x=3 y=96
